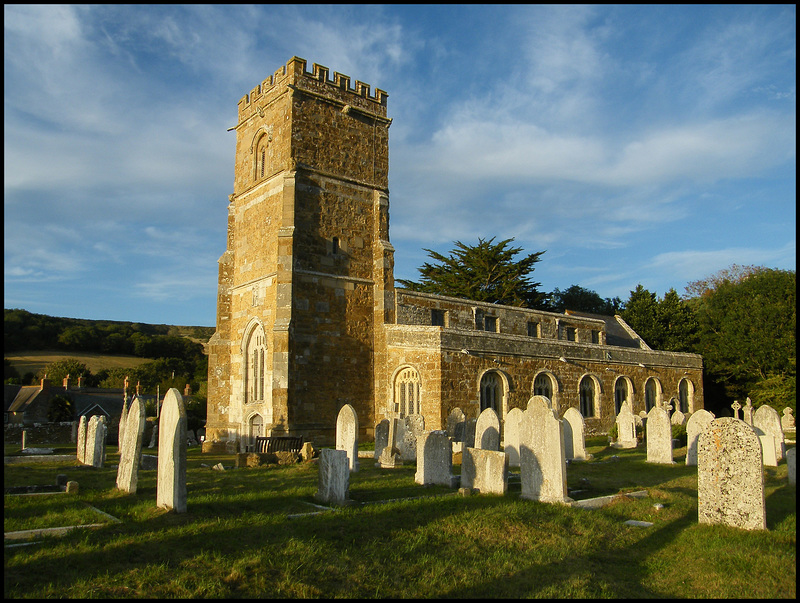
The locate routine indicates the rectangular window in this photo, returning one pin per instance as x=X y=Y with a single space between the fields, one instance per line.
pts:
x=570 y=332
x=490 y=324
x=595 y=336
x=533 y=329
x=438 y=318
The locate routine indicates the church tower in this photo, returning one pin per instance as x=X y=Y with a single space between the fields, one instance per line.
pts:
x=306 y=280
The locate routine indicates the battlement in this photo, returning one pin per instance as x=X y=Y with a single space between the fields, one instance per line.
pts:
x=318 y=80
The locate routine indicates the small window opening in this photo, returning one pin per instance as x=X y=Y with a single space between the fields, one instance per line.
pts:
x=533 y=329
x=490 y=323
x=437 y=317
x=335 y=246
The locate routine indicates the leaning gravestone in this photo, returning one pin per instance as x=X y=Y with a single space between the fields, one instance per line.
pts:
x=730 y=476
x=769 y=421
x=511 y=436
x=659 y=437
x=574 y=435
x=381 y=437
x=131 y=451
x=696 y=424
x=542 y=465
x=487 y=431
x=81 y=452
x=626 y=427
x=435 y=460
x=96 y=441
x=347 y=434
x=334 y=476
x=484 y=470
x=172 y=424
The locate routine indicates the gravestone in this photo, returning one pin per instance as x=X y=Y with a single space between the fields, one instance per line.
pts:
x=171 y=479
x=769 y=455
x=730 y=476
x=390 y=455
x=96 y=441
x=469 y=433
x=511 y=436
x=381 y=437
x=626 y=427
x=154 y=437
x=787 y=420
x=574 y=435
x=659 y=437
x=791 y=465
x=678 y=418
x=696 y=424
x=73 y=437
x=747 y=411
x=81 y=452
x=435 y=460
x=347 y=434
x=131 y=452
x=542 y=464
x=455 y=425
x=768 y=420
x=408 y=429
x=333 y=482
x=484 y=470
x=487 y=431
x=122 y=419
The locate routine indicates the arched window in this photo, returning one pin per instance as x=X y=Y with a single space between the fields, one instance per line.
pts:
x=621 y=394
x=587 y=396
x=651 y=392
x=406 y=393
x=492 y=392
x=255 y=362
x=543 y=386
x=256 y=428
x=685 y=394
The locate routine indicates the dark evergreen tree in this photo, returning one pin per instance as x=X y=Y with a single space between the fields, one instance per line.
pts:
x=580 y=299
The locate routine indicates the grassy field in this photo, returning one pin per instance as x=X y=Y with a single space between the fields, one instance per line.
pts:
x=34 y=360
x=256 y=533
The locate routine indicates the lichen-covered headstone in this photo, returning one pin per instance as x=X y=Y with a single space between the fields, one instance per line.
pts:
x=131 y=452
x=487 y=430
x=574 y=435
x=511 y=436
x=696 y=424
x=122 y=423
x=434 y=459
x=730 y=476
x=96 y=441
x=347 y=434
x=626 y=427
x=334 y=476
x=82 y=428
x=484 y=470
x=659 y=437
x=787 y=420
x=678 y=418
x=172 y=425
x=768 y=420
x=542 y=463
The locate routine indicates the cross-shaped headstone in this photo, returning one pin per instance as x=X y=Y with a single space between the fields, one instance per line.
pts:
x=736 y=406
x=747 y=411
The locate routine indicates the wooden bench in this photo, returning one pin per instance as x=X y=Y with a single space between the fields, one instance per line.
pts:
x=278 y=444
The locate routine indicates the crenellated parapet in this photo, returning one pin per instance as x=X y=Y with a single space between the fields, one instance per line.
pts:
x=294 y=77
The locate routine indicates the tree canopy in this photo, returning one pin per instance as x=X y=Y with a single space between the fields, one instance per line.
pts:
x=486 y=272
x=583 y=300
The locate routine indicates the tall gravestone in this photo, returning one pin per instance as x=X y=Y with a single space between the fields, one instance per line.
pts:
x=408 y=429
x=626 y=427
x=347 y=434
x=768 y=420
x=172 y=425
x=574 y=435
x=487 y=430
x=511 y=436
x=333 y=481
x=659 y=436
x=96 y=441
x=455 y=425
x=542 y=464
x=730 y=476
x=131 y=452
x=122 y=423
x=435 y=459
x=81 y=444
x=768 y=454
x=696 y=425
x=747 y=411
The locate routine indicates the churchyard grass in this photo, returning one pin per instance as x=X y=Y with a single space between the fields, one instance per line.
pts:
x=256 y=533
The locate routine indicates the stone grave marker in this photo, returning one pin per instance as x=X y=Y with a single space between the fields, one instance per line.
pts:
x=435 y=460
x=511 y=436
x=659 y=437
x=347 y=434
x=409 y=428
x=626 y=427
x=542 y=464
x=469 y=433
x=768 y=420
x=390 y=455
x=484 y=470
x=747 y=410
x=131 y=452
x=787 y=420
x=96 y=441
x=381 y=437
x=81 y=444
x=791 y=465
x=455 y=425
x=333 y=483
x=696 y=424
x=730 y=476
x=487 y=430
x=122 y=418
x=574 y=435
x=769 y=455
x=171 y=477
x=678 y=418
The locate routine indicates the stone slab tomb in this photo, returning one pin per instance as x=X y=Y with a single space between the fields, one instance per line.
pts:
x=543 y=467
x=730 y=476
x=333 y=482
x=171 y=480
x=347 y=434
x=696 y=424
x=131 y=450
x=659 y=437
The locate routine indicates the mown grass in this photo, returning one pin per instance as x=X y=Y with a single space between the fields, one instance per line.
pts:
x=255 y=533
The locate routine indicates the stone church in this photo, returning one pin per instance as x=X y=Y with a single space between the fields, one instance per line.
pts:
x=309 y=318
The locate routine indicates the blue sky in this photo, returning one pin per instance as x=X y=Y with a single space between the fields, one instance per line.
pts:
x=635 y=144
